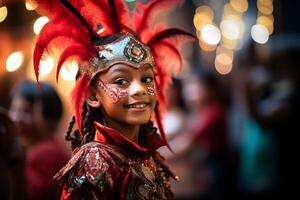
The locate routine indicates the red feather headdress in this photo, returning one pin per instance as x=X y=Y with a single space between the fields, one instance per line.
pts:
x=75 y=25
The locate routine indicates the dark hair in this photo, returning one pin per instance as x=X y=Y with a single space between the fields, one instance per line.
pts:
x=52 y=107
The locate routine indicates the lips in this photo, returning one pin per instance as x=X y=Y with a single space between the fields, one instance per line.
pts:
x=137 y=105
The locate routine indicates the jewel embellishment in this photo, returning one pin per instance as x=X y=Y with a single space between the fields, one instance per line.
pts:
x=134 y=51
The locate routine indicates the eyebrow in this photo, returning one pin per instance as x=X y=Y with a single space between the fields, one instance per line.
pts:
x=147 y=67
x=122 y=69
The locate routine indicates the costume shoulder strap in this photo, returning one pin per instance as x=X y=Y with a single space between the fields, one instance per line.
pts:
x=88 y=163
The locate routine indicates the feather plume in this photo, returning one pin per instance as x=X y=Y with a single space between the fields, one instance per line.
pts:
x=76 y=50
x=172 y=53
x=170 y=33
x=146 y=12
x=123 y=15
x=56 y=33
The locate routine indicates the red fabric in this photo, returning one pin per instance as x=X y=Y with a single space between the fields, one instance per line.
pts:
x=42 y=162
x=111 y=136
x=117 y=152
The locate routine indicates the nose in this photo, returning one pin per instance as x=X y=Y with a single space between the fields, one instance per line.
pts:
x=137 y=89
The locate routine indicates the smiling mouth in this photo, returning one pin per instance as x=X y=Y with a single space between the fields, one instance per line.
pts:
x=138 y=105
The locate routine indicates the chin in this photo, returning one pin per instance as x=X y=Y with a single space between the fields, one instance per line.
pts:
x=138 y=121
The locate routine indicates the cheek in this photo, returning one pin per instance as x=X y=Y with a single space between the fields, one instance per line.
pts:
x=114 y=93
x=151 y=90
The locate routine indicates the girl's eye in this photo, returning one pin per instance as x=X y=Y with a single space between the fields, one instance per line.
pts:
x=120 y=81
x=147 y=79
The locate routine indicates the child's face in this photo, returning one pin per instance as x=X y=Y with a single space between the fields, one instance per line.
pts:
x=27 y=119
x=134 y=92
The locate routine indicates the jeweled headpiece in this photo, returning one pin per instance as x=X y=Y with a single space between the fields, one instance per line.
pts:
x=80 y=28
x=124 y=49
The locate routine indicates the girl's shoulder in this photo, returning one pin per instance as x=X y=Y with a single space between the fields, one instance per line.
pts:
x=92 y=162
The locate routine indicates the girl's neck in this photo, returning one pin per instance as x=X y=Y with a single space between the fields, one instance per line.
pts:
x=129 y=131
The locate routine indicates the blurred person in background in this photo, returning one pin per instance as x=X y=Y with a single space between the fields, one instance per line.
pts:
x=36 y=111
x=258 y=163
x=278 y=113
x=12 y=182
x=202 y=147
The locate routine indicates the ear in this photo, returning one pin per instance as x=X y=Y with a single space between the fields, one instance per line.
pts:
x=93 y=99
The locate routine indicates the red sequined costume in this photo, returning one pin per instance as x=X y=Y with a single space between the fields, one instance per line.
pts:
x=113 y=167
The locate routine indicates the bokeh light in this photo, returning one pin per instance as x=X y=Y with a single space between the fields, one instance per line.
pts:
x=46 y=66
x=203 y=15
x=230 y=29
x=223 y=63
x=239 y=5
x=14 y=61
x=30 y=5
x=267 y=21
x=211 y=34
x=68 y=71
x=259 y=33
x=3 y=13
x=265 y=6
x=39 y=24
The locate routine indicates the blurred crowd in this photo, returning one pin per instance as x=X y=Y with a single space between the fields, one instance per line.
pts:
x=236 y=142
x=230 y=141
x=31 y=150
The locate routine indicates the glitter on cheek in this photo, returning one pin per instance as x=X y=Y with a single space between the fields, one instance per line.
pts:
x=113 y=92
x=151 y=91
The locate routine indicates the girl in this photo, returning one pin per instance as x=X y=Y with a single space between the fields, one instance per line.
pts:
x=119 y=85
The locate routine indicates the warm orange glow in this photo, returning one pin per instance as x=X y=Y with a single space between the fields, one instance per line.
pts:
x=205 y=10
x=200 y=20
x=223 y=63
x=30 y=5
x=229 y=10
x=231 y=44
x=206 y=47
x=267 y=21
x=265 y=2
x=265 y=9
x=203 y=15
x=239 y=5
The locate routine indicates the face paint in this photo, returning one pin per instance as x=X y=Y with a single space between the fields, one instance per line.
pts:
x=151 y=91
x=113 y=92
